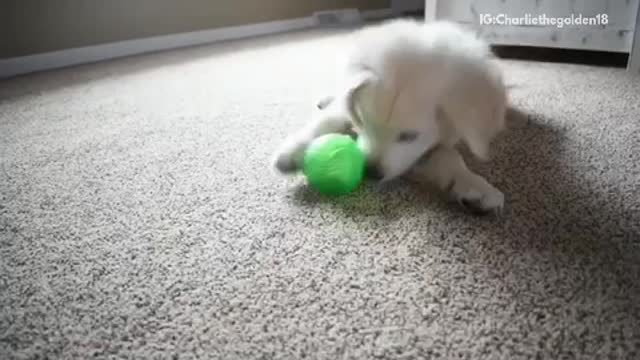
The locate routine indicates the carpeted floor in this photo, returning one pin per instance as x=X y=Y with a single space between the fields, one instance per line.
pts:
x=139 y=218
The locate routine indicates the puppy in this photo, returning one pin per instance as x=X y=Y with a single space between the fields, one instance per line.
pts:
x=413 y=92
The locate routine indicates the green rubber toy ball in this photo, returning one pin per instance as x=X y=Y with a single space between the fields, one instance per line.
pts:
x=334 y=164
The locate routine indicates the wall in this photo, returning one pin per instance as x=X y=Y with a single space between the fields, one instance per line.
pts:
x=35 y=26
x=400 y=6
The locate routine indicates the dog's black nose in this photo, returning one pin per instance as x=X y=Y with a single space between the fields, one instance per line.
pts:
x=373 y=172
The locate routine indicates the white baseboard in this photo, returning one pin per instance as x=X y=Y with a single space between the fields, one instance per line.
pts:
x=83 y=55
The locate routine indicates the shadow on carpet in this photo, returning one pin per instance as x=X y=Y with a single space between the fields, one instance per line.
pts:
x=552 y=210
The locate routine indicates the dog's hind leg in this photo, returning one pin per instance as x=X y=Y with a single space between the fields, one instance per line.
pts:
x=324 y=102
x=445 y=168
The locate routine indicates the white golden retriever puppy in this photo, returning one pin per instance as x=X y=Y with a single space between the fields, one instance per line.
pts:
x=413 y=91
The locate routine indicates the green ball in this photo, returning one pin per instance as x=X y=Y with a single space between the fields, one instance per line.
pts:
x=334 y=164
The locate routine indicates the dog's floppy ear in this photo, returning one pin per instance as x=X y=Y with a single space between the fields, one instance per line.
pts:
x=355 y=83
x=344 y=103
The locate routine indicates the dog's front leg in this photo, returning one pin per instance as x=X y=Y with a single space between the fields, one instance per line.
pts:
x=290 y=155
x=445 y=168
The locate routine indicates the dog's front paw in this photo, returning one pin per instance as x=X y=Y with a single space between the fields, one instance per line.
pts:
x=285 y=163
x=289 y=158
x=479 y=196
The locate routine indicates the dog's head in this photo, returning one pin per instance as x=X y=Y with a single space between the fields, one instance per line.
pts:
x=394 y=131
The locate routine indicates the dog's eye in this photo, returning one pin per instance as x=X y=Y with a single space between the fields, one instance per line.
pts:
x=407 y=136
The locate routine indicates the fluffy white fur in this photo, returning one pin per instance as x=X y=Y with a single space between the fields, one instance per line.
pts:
x=413 y=91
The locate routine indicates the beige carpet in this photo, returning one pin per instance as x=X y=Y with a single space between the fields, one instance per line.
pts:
x=139 y=218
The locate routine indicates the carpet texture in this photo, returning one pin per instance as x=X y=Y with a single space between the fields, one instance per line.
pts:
x=139 y=218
